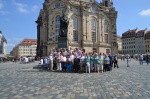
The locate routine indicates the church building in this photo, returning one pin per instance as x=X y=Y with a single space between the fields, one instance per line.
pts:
x=92 y=25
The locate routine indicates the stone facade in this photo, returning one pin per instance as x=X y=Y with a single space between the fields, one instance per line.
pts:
x=92 y=25
x=119 y=42
x=147 y=42
x=3 y=44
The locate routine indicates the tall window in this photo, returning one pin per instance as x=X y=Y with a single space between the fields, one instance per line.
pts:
x=106 y=38
x=93 y=36
x=75 y=29
x=93 y=25
x=93 y=29
x=57 y=27
x=106 y=27
x=75 y=35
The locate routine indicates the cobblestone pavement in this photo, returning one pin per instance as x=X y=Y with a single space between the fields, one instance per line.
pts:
x=19 y=81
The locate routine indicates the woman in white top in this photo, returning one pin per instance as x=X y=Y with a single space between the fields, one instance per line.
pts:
x=82 y=59
x=63 y=60
x=58 y=62
x=51 y=61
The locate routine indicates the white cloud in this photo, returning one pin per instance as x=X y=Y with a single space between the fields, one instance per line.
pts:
x=14 y=39
x=21 y=7
x=1 y=4
x=24 y=8
x=145 y=12
x=34 y=8
x=3 y=12
x=10 y=45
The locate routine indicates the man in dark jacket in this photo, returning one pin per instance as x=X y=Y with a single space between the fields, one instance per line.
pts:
x=76 y=64
x=115 y=61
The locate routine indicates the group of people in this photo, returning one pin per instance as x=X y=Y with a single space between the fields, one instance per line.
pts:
x=77 y=60
x=144 y=57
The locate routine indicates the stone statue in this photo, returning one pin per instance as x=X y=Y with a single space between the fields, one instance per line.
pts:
x=63 y=26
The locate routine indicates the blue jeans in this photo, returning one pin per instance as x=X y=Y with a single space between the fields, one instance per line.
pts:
x=141 y=62
x=127 y=62
x=69 y=67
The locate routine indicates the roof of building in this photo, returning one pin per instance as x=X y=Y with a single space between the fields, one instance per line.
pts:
x=134 y=33
x=28 y=41
x=147 y=35
x=129 y=33
x=140 y=33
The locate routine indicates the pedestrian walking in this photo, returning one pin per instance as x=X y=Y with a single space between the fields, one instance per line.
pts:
x=147 y=58
x=141 y=59
x=128 y=60
x=115 y=61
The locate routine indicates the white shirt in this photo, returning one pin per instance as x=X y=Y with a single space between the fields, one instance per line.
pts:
x=72 y=57
x=63 y=59
x=82 y=59
x=41 y=61
x=51 y=57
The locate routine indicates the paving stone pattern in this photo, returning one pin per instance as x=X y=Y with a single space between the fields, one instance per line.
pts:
x=19 y=81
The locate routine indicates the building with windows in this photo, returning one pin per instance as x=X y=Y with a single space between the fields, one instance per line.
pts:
x=147 y=42
x=92 y=25
x=27 y=47
x=119 y=42
x=3 y=44
x=133 y=41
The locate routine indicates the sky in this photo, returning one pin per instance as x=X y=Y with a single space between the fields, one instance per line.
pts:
x=17 y=18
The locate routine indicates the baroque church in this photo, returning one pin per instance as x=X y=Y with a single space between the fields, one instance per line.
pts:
x=92 y=25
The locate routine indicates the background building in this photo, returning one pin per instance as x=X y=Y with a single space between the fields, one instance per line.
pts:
x=119 y=42
x=139 y=42
x=3 y=44
x=133 y=41
x=92 y=25
x=27 y=47
x=147 y=42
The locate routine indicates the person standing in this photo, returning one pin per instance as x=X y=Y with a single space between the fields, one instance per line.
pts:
x=96 y=63
x=141 y=59
x=128 y=60
x=101 y=59
x=87 y=64
x=106 y=63
x=51 y=62
x=111 y=61
x=76 y=63
x=63 y=60
x=147 y=58
x=116 y=61
x=82 y=58
x=58 y=62
x=69 y=63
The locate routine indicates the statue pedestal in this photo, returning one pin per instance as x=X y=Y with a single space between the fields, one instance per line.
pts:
x=62 y=42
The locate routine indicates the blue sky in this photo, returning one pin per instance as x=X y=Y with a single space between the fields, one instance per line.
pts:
x=17 y=17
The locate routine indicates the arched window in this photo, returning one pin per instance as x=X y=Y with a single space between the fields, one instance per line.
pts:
x=106 y=27
x=93 y=24
x=57 y=26
x=75 y=29
x=93 y=29
x=57 y=21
